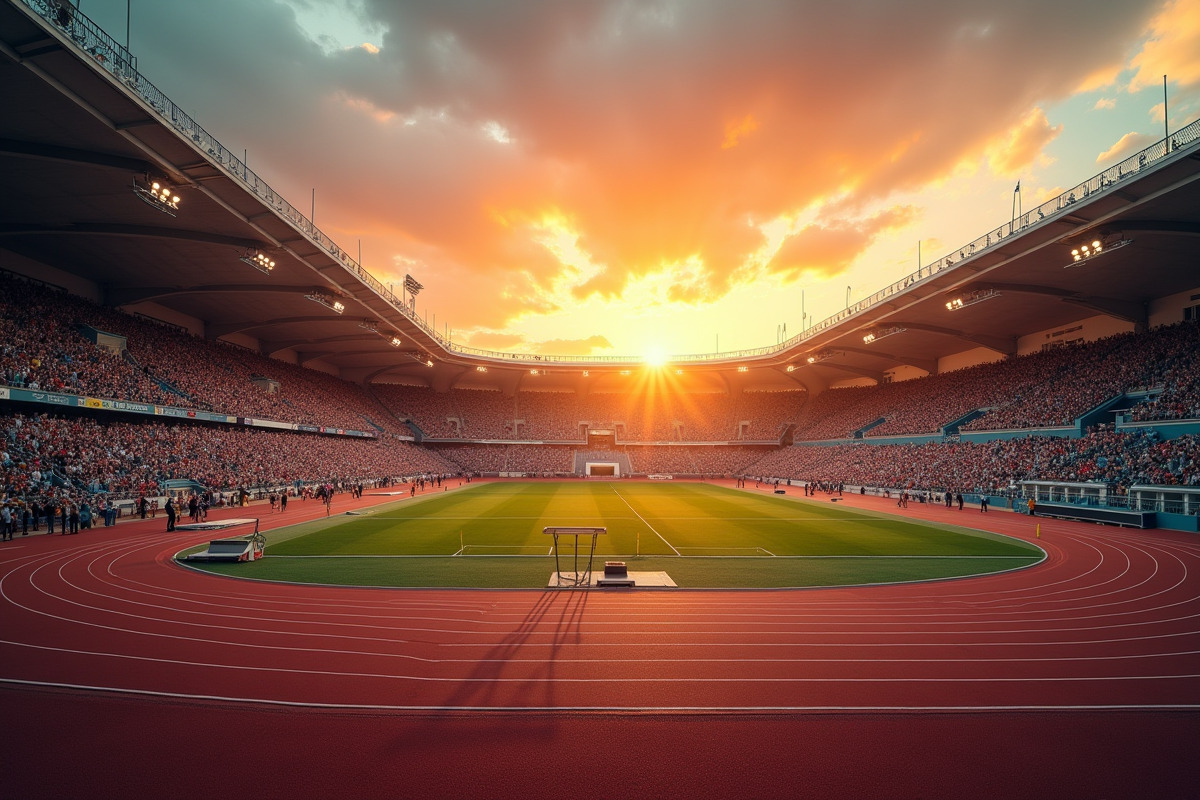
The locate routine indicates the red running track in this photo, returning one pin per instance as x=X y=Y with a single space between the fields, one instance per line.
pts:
x=1078 y=677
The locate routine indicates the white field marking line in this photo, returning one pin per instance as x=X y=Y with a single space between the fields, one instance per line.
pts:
x=758 y=622
x=610 y=709
x=643 y=519
x=614 y=679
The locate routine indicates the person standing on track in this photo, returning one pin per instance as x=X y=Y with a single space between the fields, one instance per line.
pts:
x=170 y=514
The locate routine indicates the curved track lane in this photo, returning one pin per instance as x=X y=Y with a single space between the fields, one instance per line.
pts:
x=1108 y=624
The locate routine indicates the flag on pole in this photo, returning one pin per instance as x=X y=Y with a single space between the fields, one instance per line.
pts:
x=1017 y=188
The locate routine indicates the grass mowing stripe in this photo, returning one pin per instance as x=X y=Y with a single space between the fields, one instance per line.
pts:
x=704 y=535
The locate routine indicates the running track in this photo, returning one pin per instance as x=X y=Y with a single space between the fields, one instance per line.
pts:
x=125 y=675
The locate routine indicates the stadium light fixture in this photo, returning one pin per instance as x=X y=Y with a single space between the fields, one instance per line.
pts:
x=970 y=299
x=259 y=260
x=1089 y=250
x=396 y=341
x=156 y=194
x=586 y=373
x=824 y=355
x=791 y=368
x=743 y=369
x=481 y=369
x=882 y=333
x=625 y=372
x=330 y=302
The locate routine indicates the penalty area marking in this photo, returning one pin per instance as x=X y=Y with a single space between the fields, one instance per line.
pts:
x=729 y=552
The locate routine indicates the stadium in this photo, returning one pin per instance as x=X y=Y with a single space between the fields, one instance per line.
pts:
x=940 y=543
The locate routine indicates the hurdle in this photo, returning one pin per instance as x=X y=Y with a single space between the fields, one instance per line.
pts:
x=578 y=578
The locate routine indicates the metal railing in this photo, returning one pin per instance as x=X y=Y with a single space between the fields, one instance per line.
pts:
x=117 y=60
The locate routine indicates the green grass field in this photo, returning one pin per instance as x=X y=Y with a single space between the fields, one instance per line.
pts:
x=490 y=535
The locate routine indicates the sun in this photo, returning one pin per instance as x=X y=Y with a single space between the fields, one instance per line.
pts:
x=655 y=356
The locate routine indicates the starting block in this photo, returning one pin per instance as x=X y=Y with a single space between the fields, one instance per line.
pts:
x=615 y=574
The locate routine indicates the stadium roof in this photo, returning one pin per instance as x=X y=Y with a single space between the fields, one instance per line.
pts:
x=87 y=127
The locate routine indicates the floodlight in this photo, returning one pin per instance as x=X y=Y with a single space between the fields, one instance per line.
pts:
x=156 y=193
x=1089 y=250
x=882 y=333
x=259 y=260
x=971 y=298
x=330 y=302
x=824 y=355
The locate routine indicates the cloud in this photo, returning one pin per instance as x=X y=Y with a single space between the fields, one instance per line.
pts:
x=1024 y=143
x=1127 y=145
x=663 y=131
x=574 y=347
x=1105 y=104
x=826 y=249
x=1171 y=48
x=492 y=340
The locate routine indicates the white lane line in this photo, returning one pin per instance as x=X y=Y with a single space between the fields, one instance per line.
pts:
x=620 y=709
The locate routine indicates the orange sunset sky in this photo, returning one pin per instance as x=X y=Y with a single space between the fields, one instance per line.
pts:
x=602 y=177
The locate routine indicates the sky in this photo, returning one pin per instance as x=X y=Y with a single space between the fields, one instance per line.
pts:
x=610 y=177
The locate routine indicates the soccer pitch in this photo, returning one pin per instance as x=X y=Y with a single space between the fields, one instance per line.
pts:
x=490 y=535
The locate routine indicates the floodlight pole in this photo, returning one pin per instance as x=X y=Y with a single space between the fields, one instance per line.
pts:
x=1166 y=120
